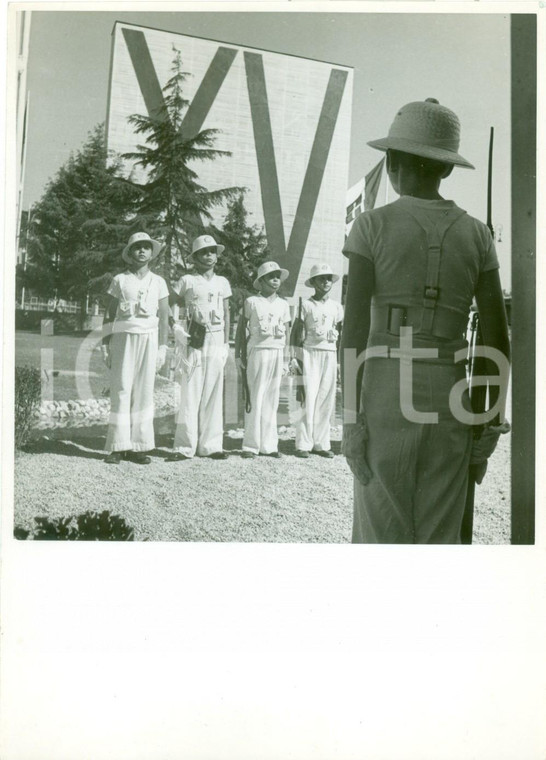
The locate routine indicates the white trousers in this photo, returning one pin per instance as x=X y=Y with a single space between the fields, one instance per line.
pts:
x=319 y=381
x=264 y=373
x=200 y=422
x=132 y=378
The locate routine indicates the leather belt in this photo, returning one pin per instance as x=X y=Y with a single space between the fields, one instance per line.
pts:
x=389 y=318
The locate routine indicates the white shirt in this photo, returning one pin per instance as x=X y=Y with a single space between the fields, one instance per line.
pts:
x=204 y=299
x=321 y=319
x=267 y=318
x=138 y=301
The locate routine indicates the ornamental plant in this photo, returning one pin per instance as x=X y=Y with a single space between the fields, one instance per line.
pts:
x=27 y=400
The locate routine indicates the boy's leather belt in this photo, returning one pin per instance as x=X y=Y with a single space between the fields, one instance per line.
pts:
x=389 y=318
x=444 y=355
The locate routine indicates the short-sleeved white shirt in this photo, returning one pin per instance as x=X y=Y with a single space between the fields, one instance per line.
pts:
x=267 y=318
x=204 y=299
x=138 y=301
x=321 y=319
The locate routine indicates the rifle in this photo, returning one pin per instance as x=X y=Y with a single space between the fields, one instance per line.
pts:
x=296 y=341
x=477 y=368
x=242 y=341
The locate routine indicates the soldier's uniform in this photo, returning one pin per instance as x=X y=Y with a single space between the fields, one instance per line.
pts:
x=427 y=259
x=319 y=364
x=427 y=256
x=267 y=319
x=133 y=351
x=200 y=423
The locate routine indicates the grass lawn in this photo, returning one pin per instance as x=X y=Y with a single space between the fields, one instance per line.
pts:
x=73 y=363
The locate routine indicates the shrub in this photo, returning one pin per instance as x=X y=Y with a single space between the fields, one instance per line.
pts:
x=27 y=399
x=89 y=526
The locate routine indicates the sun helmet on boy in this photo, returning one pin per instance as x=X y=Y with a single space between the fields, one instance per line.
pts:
x=205 y=241
x=140 y=237
x=266 y=268
x=426 y=129
x=320 y=269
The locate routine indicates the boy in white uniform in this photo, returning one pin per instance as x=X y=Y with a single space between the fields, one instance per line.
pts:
x=316 y=347
x=137 y=309
x=267 y=317
x=205 y=295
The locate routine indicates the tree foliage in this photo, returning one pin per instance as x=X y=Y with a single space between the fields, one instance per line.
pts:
x=172 y=204
x=78 y=228
x=245 y=249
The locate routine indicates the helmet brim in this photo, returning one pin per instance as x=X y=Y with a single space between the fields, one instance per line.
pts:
x=418 y=149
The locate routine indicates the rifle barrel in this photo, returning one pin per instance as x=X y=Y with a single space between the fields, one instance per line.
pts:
x=490 y=182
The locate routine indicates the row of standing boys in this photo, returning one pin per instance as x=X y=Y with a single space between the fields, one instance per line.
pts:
x=415 y=267
x=135 y=336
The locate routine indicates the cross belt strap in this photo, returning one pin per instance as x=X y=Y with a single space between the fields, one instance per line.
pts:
x=435 y=237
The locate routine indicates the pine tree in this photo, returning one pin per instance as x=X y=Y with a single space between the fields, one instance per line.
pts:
x=245 y=249
x=173 y=206
x=80 y=225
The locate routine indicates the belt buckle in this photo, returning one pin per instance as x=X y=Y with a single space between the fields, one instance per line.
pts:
x=430 y=296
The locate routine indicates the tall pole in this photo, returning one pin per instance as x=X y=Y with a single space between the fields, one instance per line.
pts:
x=524 y=220
x=22 y=104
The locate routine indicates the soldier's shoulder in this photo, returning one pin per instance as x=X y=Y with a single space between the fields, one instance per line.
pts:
x=477 y=227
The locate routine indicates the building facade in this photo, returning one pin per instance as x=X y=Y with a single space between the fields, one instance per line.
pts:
x=284 y=119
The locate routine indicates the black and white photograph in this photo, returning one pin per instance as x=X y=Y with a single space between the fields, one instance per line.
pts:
x=270 y=306
x=238 y=150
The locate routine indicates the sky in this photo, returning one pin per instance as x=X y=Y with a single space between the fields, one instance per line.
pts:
x=462 y=59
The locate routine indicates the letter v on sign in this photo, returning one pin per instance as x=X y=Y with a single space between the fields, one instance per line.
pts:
x=151 y=89
x=290 y=256
x=197 y=112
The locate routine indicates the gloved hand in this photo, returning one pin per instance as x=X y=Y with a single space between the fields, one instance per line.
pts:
x=180 y=335
x=240 y=364
x=353 y=447
x=106 y=357
x=483 y=447
x=477 y=472
x=161 y=357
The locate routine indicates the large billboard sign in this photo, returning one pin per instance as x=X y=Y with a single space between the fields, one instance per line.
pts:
x=284 y=119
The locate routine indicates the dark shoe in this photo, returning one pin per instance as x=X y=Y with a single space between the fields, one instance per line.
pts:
x=274 y=455
x=114 y=457
x=218 y=455
x=176 y=456
x=138 y=457
x=302 y=454
x=248 y=455
x=326 y=454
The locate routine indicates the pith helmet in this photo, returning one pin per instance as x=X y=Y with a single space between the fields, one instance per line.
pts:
x=266 y=268
x=427 y=129
x=205 y=241
x=319 y=269
x=140 y=237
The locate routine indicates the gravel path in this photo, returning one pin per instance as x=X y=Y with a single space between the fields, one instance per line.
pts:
x=260 y=500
